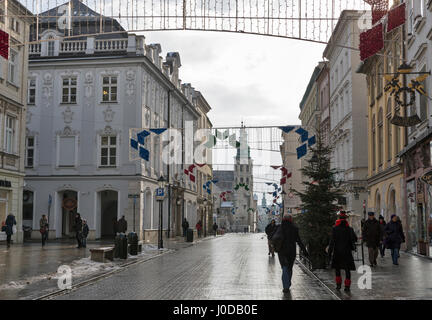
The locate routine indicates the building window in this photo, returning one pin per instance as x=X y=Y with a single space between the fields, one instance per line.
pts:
x=108 y=151
x=380 y=79
x=31 y=91
x=372 y=88
x=51 y=46
x=380 y=137
x=14 y=25
x=389 y=62
x=423 y=100
x=373 y=143
x=109 y=89
x=69 y=90
x=66 y=151
x=2 y=15
x=10 y=134
x=29 y=156
x=397 y=130
x=13 y=61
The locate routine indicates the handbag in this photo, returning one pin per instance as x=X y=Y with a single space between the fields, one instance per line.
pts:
x=14 y=229
x=277 y=239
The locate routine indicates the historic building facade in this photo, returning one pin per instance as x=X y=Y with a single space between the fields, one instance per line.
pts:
x=86 y=95
x=13 y=102
x=348 y=125
x=416 y=155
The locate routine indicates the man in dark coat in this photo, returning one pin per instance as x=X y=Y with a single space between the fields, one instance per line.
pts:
x=10 y=222
x=270 y=230
x=382 y=224
x=372 y=236
x=395 y=236
x=122 y=225
x=342 y=244
x=185 y=226
x=215 y=228
x=287 y=251
x=78 y=229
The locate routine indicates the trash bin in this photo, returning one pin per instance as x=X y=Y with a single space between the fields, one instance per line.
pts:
x=121 y=246
x=189 y=235
x=133 y=243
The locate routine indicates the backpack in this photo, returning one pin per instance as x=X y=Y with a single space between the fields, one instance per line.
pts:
x=277 y=239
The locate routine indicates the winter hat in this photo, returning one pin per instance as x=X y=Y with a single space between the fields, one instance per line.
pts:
x=342 y=215
x=392 y=216
x=381 y=217
x=371 y=213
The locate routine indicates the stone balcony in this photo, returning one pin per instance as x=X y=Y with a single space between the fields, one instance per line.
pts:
x=131 y=45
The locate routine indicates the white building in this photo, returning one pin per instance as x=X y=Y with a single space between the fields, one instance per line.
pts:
x=348 y=96
x=13 y=87
x=84 y=96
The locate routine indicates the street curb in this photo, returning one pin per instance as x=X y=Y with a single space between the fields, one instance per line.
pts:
x=313 y=275
x=98 y=277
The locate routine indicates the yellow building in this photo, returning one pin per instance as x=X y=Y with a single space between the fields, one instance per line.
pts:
x=385 y=140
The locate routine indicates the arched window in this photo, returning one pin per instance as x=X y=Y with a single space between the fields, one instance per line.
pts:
x=373 y=143
x=380 y=137
x=377 y=203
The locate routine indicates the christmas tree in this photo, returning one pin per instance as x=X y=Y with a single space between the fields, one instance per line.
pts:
x=319 y=203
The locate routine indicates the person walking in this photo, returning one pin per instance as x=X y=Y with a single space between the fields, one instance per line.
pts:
x=372 y=237
x=342 y=243
x=270 y=230
x=185 y=226
x=395 y=236
x=85 y=232
x=10 y=223
x=44 y=229
x=199 y=228
x=382 y=224
x=122 y=225
x=78 y=229
x=287 y=251
x=215 y=229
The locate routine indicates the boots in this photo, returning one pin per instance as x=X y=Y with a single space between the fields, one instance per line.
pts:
x=347 y=285
x=338 y=283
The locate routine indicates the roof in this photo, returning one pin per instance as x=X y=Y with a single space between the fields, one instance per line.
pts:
x=312 y=80
x=84 y=21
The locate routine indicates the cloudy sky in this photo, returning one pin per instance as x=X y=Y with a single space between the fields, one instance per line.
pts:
x=256 y=79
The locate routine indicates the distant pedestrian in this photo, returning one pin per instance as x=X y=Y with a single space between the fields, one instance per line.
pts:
x=185 y=226
x=270 y=230
x=395 y=236
x=85 y=232
x=78 y=229
x=9 y=224
x=215 y=229
x=199 y=228
x=383 y=236
x=372 y=236
x=44 y=229
x=122 y=225
x=287 y=251
x=114 y=224
x=342 y=243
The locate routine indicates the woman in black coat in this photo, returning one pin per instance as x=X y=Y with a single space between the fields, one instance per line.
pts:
x=395 y=236
x=341 y=246
x=10 y=222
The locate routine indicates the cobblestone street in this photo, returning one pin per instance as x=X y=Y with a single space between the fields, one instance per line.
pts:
x=235 y=266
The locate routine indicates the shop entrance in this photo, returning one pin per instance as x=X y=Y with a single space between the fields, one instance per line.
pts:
x=69 y=207
x=109 y=214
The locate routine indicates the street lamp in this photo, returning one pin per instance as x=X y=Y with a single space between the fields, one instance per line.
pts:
x=160 y=197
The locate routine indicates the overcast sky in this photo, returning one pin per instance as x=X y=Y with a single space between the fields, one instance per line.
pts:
x=260 y=80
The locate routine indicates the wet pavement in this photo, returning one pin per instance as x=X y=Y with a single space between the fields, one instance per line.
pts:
x=410 y=280
x=29 y=270
x=235 y=266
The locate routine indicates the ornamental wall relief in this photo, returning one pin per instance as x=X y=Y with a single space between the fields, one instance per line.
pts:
x=108 y=114
x=68 y=115
x=130 y=85
x=47 y=86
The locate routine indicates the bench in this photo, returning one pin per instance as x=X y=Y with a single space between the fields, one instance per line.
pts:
x=101 y=254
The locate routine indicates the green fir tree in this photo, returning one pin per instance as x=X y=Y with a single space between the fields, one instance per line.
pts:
x=319 y=203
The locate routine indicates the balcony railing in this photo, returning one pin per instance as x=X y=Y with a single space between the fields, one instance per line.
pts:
x=111 y=45
x=73 y=46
